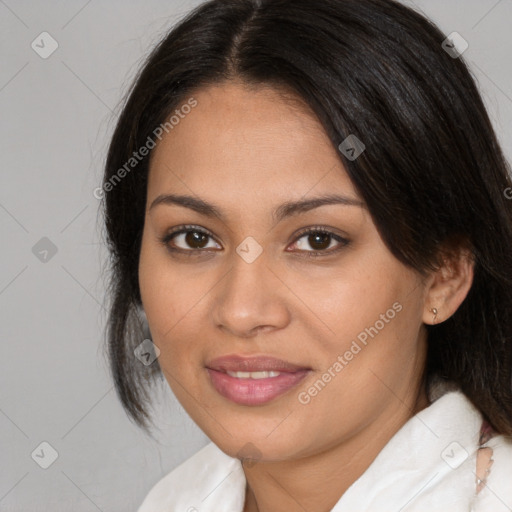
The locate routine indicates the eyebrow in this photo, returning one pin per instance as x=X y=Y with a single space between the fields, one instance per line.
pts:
x=286 y=209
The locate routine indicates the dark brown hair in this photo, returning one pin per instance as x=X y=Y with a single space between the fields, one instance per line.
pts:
x=432 y=174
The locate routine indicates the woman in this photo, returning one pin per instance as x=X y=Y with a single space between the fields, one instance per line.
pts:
x=307 y=202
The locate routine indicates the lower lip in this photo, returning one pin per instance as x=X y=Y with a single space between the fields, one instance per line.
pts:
x=254 y=391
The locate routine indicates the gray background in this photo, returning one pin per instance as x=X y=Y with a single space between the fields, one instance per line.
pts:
x=56 y=117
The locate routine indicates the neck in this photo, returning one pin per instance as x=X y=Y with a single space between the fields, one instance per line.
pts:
x=317 y=482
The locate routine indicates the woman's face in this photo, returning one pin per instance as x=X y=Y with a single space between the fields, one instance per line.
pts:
x=339 y=311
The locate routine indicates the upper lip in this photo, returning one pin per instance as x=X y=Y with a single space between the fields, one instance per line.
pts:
x=238 y=363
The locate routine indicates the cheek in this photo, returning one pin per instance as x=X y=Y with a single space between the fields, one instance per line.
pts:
x=366 y=365
x=172 y=302
x=348 y=300
x=374 y=314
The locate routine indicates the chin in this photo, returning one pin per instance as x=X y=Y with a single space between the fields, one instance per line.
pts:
x=258 y=446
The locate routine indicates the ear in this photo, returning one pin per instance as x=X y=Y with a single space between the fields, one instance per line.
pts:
x=449 y=285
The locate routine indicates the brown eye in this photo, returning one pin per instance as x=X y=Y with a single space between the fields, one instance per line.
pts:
x=196 y=239
x=319 y=240
x=188 y=239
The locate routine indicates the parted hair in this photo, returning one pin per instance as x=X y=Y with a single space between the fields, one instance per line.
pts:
x=433 y=174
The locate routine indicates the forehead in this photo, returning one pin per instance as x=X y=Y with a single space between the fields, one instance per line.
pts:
x=247 y=145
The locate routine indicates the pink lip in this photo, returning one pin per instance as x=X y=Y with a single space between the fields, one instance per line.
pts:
x=237 y=363
x=253 y=391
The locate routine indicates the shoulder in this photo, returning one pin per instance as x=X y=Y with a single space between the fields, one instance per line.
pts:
x=496 y=495
x=188 y=485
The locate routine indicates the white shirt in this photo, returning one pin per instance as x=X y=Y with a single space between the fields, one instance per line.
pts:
x=429 y=465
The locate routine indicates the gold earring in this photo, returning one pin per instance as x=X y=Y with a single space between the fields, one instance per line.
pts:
x=434 y=311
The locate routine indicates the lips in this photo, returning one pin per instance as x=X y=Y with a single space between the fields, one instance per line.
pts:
x=236 y=363
x=253 y=380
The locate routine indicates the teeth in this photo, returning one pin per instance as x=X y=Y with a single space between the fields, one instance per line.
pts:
x=253 y=375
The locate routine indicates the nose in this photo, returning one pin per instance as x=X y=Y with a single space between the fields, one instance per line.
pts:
x=250 y=299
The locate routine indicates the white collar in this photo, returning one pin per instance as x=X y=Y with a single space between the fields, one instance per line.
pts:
x=427 y=465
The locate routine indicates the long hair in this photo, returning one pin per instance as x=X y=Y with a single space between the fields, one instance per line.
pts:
x=432 y=175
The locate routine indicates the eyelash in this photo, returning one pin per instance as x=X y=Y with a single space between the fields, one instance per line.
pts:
x=306 y=231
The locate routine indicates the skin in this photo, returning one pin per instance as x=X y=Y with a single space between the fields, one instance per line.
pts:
x=247 y=150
